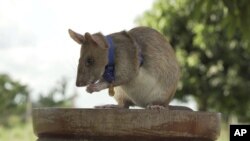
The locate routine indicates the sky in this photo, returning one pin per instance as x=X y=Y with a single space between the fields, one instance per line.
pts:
x=35 y=47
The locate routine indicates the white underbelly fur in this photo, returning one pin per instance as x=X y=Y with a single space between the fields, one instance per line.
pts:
x=145 y=90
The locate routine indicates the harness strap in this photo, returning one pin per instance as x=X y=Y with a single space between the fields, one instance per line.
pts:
x=109 y=73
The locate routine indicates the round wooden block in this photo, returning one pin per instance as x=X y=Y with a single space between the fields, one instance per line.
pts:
x=124 y=124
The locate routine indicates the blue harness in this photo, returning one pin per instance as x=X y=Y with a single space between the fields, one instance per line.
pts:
x=109 y=73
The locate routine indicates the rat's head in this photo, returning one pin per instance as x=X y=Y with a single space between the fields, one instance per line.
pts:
x=93 y=57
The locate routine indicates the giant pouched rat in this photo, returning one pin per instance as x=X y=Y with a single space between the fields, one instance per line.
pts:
x=145 y=68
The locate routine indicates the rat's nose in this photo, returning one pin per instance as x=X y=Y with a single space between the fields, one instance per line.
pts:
x=78 y=84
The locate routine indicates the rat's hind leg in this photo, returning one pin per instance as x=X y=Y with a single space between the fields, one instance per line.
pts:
x=169 y=107
x=158 y=107
x=122 y=99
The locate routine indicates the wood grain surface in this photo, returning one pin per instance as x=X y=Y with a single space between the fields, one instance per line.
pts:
x=124 y=124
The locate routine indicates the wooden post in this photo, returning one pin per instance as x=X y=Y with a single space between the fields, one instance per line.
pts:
x=60 y=124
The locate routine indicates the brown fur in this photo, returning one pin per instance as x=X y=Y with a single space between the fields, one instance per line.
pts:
x=152 y=83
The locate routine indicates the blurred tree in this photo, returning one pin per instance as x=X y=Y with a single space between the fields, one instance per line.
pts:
x=57 y=96
x=15 y=103
x=13 y=99
x=211 y=39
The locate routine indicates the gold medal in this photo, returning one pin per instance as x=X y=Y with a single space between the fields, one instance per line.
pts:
x=111 y=89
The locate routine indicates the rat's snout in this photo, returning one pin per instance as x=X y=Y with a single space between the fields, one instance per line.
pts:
x=79 y=78
x=79 y=82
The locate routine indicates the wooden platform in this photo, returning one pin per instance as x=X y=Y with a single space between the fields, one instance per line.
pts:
x=57 y=124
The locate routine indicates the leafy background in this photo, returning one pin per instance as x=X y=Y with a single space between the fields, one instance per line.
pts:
x=211 y=40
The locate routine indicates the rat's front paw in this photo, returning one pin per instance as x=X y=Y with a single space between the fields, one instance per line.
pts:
x=96 y=87
x=92 y=88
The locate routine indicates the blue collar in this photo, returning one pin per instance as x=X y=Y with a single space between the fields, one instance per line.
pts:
x=111 y=51
x=109 y=73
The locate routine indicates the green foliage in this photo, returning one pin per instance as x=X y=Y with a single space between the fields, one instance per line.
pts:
x=56 y=97
x=211 y=40
x=19 y=132
x=15 y=105
x=13 y=101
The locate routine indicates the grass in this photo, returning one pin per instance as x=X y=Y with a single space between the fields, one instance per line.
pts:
x=20 y=132
x=224 y=133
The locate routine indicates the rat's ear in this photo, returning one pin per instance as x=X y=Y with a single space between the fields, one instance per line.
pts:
x=97 y=39
x=88 y=37
x=76 y=36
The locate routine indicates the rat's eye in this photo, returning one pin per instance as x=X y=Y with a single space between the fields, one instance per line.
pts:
x=89 y=61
